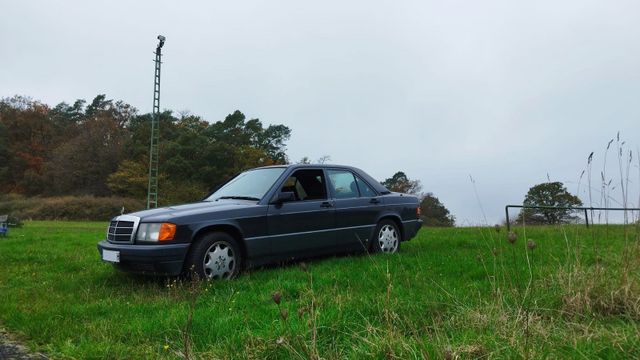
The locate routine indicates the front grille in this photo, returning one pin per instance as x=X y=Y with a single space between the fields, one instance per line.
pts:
x=120 y=231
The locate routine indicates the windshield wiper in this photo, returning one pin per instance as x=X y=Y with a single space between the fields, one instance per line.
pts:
x=239 y=198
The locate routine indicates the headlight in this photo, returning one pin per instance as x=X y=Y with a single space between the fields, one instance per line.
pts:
x=156 y=232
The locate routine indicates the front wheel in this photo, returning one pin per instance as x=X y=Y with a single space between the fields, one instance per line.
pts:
x=386 y=238
x=215 y=256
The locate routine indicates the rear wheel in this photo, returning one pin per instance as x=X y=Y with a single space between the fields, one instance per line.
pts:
x=215 y=256
x=386 y=238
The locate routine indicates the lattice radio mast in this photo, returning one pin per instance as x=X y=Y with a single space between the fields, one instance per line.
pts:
x=152 y=193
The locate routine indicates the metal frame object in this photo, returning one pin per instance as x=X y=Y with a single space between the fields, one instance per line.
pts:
x=152 y=190
x=579 y=208
x=4 y=225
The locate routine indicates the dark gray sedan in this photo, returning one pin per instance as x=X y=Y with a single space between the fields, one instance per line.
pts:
x=264 y=215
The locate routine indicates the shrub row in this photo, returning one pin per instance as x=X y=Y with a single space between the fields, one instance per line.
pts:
x=66 y=207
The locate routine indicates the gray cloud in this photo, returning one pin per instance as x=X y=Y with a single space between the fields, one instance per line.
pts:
x=505 y=91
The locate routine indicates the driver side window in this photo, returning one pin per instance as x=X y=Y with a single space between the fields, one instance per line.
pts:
x=306 y=185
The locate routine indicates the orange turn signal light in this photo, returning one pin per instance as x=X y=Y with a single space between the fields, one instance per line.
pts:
x=167 y=231
x=418 y=211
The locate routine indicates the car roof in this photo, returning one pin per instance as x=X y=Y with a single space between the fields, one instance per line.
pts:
x=307 y=166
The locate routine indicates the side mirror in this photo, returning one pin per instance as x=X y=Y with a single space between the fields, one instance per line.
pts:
x=284 y=196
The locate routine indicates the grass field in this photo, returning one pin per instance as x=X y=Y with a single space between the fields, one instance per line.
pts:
x=449 y=293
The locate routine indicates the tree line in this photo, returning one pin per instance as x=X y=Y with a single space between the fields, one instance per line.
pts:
x=101 y=148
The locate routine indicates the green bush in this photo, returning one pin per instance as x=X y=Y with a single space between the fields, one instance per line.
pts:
x=66 y=207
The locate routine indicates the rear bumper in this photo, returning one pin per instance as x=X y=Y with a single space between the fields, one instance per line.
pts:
x=411 y=228
x=149 y=259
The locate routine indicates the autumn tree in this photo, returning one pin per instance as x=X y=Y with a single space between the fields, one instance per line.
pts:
x=101 y=148
x=28 y=140
x=4 y=155
x=81 y=165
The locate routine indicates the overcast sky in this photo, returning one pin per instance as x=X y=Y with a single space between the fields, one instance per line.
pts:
x=503 y=91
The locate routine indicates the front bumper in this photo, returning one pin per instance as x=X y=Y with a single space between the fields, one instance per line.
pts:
x=150 y=259
x=411 y=228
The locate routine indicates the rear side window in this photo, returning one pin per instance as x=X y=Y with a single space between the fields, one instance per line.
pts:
x=343 y=184
x=365 y=190
x=306 y=185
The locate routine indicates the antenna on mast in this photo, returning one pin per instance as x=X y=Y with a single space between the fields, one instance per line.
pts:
x=152 y=191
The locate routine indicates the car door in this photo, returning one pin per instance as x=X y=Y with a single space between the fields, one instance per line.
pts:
x=303 y=225
x=357 y=208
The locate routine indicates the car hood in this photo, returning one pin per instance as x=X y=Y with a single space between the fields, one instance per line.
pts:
x=203 y=207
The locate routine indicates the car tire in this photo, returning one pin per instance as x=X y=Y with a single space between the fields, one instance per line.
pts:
x=214 y=256
x=386 y=237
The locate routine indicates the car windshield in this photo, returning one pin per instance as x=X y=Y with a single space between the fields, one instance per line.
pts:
x=250 y=185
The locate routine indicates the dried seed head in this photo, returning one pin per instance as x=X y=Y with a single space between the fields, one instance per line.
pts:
x=448 y=354
x=301 y=312
x=276 y=296
x=512 y=237
x=497 y=228
x=280 y=340
x=304 y=266
x=284 y=314
x=478 y=257
x=531 y=244
x=494 y=251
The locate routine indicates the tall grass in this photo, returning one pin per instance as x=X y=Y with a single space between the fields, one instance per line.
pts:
x=450 y=293
x=584 y=281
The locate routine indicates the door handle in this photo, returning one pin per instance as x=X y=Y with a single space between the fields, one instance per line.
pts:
x=374 y=201
x=326 y=204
